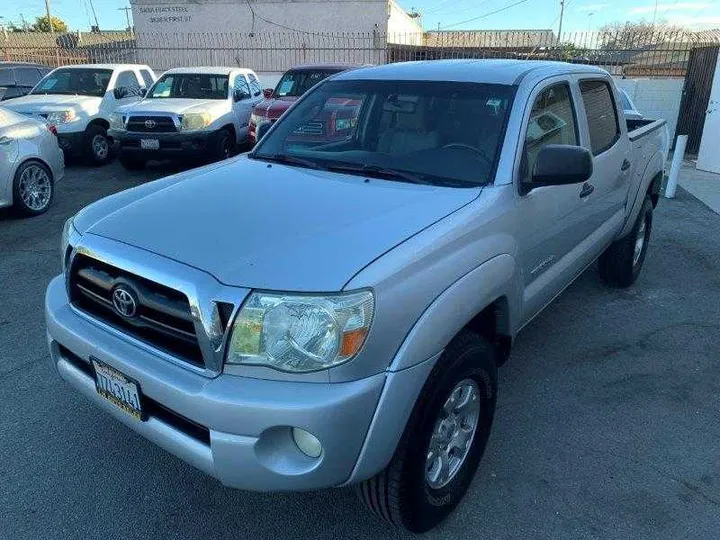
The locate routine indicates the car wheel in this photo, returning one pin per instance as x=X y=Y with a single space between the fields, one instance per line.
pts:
x=97 y=145
x=621 y=263
x=443 y=441
x=33 y=188
x=132 y=163
x=225 y=145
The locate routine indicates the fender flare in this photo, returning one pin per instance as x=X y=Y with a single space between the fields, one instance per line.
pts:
x=651 y=172
x=449 y=313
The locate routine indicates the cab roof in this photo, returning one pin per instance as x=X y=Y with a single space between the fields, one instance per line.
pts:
x=104 y=66
x=485 y=71
x=209 y=70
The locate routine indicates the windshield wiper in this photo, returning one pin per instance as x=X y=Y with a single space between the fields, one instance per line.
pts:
x=289 y=160
x=378 y=172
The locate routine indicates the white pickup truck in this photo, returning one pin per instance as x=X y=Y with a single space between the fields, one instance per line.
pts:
x=195 y=113
x=78 y=100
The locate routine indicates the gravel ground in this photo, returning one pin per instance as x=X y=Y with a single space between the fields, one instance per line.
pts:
x=607 y=426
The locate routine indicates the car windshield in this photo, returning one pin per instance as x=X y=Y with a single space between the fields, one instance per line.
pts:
x=444 y=133
x=190 y=86
x=75 y=81
x=296 y=83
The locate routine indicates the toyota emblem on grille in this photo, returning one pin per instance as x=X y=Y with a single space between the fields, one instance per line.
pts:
x=150 y=123
x=124 y=301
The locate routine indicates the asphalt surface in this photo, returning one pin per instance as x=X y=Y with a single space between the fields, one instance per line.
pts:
x=607 y=425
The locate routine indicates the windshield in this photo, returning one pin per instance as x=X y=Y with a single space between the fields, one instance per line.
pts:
x=444 y=133
x=296 y=83
x=190 y=86
x=75 y=81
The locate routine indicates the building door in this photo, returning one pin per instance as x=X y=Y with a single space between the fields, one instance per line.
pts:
x=696 y=95
x=708 y=156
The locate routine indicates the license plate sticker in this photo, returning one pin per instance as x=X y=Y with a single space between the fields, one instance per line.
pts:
x=118 y=389
x=149 y=144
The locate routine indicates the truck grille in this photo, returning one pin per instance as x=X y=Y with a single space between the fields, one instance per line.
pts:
x=311 y=128
x=161 y=316
x=151 y=124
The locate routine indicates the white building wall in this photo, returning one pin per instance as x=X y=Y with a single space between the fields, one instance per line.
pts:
x=402 y=28
x=655 y=98
x=281 y=33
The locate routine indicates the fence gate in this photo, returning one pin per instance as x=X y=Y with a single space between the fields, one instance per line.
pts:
x=696 y=94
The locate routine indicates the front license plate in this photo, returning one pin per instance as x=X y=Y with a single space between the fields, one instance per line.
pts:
x=117 y=388
x=149 y=144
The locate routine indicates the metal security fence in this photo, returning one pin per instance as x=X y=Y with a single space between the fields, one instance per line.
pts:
x=623 y=52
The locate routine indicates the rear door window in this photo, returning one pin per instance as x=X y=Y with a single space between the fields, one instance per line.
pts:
x=254 y=85
x=26 y=76
x=147 y=78
x=601 y=115
x=6 y=77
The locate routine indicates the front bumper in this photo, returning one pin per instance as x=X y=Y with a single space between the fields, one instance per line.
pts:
x=172 y=145
x=235 y=429
x=72 y=142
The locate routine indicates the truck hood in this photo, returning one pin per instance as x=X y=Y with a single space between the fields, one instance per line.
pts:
x=172 y=106
x=257 y=225
x=45 y=103
x=273 y=108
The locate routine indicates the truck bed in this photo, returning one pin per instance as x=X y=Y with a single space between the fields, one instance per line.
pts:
x=640 y=128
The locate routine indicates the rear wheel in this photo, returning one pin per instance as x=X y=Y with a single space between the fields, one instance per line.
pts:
x=97 y=145
x=33 y=188
x=443 y=442
x=132 y=163
x=621 y=263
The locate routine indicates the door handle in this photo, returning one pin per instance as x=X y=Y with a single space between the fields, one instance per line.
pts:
x=587 y=189
x=625 y=165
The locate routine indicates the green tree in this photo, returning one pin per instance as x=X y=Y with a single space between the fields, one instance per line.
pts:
x=41 y=25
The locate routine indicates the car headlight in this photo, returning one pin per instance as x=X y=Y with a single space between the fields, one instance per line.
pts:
x=257 y=119
x=117 y=121
x=68 y=229
x=61 y=117
x=192 y=121
x=300 y=333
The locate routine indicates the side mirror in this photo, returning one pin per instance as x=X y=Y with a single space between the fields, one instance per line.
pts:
x=561 y=164
x=261 y=130
x=120 y=92
x=239 y=95
x=143 y=92
x=268 y=93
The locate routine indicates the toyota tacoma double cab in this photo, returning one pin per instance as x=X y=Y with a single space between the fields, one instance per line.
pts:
x=317 y=314
x=200 y=113
x=78 y=100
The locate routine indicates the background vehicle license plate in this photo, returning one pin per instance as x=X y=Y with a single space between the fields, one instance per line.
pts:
x=117 y=388
x=149 y=144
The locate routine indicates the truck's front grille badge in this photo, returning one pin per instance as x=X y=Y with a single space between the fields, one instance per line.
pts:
x=148 y=311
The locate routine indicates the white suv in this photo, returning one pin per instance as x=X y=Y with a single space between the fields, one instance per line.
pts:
x=201 y=113
x=79 y=100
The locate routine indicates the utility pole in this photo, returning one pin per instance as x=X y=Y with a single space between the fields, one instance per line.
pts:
x=654 y=14
x=127 y=17
x=49 y=17
x=562 y=13
x=97 y=24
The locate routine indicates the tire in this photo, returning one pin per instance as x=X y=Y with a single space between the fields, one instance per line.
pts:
x=132 y=163
x=33 y=189
x=409 y=493
x=225 y=145
x=621 y=263
x=97 y=145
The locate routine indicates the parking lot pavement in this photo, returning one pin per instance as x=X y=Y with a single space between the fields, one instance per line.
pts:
x=607 y=426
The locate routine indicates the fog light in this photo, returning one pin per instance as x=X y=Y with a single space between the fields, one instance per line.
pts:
x=307 y=443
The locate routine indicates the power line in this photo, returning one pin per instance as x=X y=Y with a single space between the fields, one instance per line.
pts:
x=486 y=14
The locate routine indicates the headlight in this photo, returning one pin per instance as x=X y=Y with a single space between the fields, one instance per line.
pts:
x=117 y=121
x=192 y=121
x=68 y=228
x=61 y=117
x=257 y=119
x=300 y=333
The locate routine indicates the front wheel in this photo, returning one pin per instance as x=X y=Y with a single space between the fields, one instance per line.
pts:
x=97 y=145
x=621 y=263
x=443 y=441
x=225 y=145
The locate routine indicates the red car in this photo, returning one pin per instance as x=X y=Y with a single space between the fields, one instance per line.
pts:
x=293 y=84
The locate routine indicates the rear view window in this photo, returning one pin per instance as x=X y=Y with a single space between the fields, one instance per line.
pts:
x=601 y=115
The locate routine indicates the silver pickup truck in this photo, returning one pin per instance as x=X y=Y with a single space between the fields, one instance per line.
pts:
x=325 y=312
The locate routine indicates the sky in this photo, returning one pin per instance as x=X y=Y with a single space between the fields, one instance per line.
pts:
x=580 y=15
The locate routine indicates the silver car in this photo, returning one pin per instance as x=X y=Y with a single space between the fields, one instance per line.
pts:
x=31 y=162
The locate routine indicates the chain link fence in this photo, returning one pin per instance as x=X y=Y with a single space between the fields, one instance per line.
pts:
x=624 y=52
